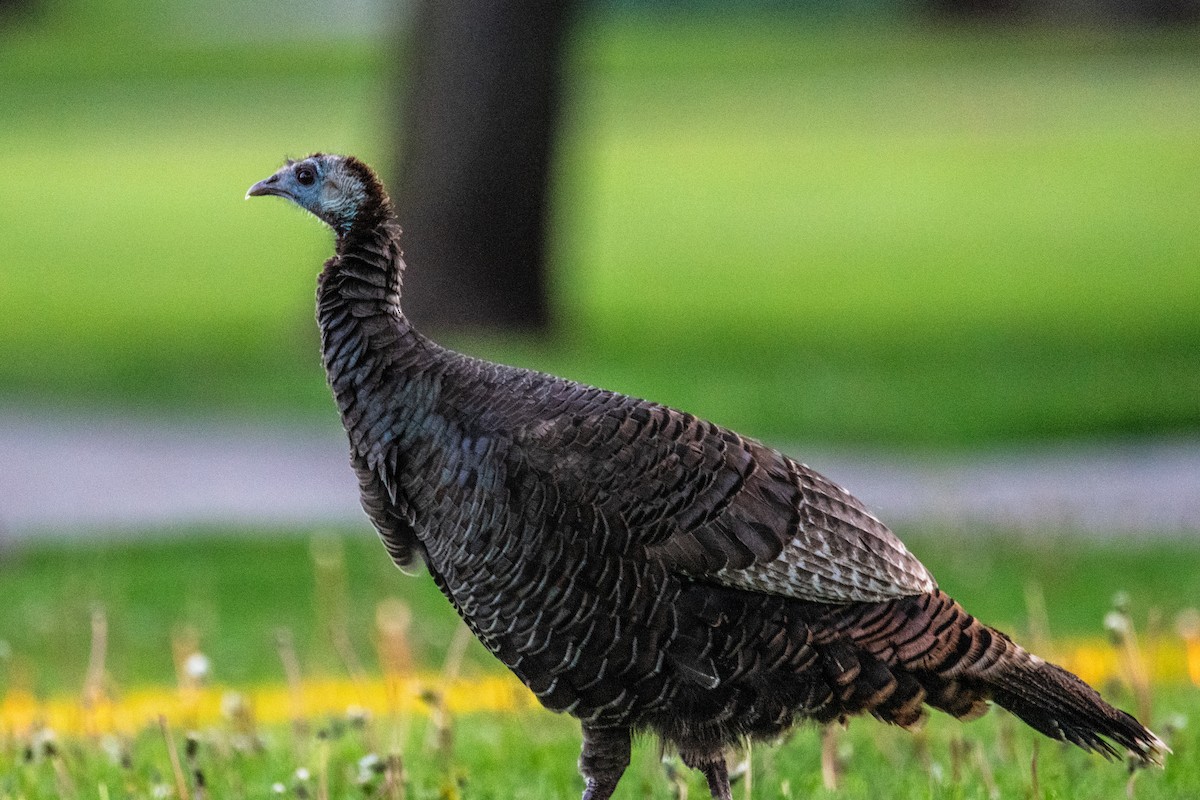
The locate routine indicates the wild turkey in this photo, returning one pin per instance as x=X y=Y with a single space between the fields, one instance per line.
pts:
x=637 y=567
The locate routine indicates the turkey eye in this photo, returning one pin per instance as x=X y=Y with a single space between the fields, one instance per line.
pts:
x=305 y=176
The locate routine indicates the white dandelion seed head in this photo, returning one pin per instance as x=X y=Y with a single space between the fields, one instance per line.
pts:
x=369 y=766
x=112 y=748
x=1122 y=601
x=1117 y=625
x=197 y=666
x=44 y=737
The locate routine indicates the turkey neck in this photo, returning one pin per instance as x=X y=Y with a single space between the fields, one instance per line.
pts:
x=371 y=351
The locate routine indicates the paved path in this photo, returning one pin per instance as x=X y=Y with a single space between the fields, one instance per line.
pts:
x=65 y=475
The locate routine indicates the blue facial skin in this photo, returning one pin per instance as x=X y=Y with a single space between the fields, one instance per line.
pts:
x=320 y=185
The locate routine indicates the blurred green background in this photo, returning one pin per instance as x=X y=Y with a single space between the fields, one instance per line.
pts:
x=866 y=230
x=848 y=230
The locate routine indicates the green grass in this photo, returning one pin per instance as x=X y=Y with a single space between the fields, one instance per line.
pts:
x=233 y=592
x=532 y=756
x=805 y=231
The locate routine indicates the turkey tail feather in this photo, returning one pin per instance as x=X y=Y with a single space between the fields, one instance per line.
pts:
x=961 y=664
x=1057 y=703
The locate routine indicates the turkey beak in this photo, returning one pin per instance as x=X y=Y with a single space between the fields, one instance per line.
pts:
x=270 y=185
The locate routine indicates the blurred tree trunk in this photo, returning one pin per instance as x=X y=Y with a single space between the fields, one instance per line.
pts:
x=10 y=9
x=483 y=95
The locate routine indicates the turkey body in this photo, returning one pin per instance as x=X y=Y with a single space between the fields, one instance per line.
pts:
x=564 y=523
x=635 y=566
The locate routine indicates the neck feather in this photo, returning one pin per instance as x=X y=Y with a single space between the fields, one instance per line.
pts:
x=381 y=370
x=367 y=270
x=358 y=305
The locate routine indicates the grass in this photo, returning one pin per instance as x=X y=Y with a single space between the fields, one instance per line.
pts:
x=231 y=593
x=228 y=595
x=532 y=756
x=903 y=236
